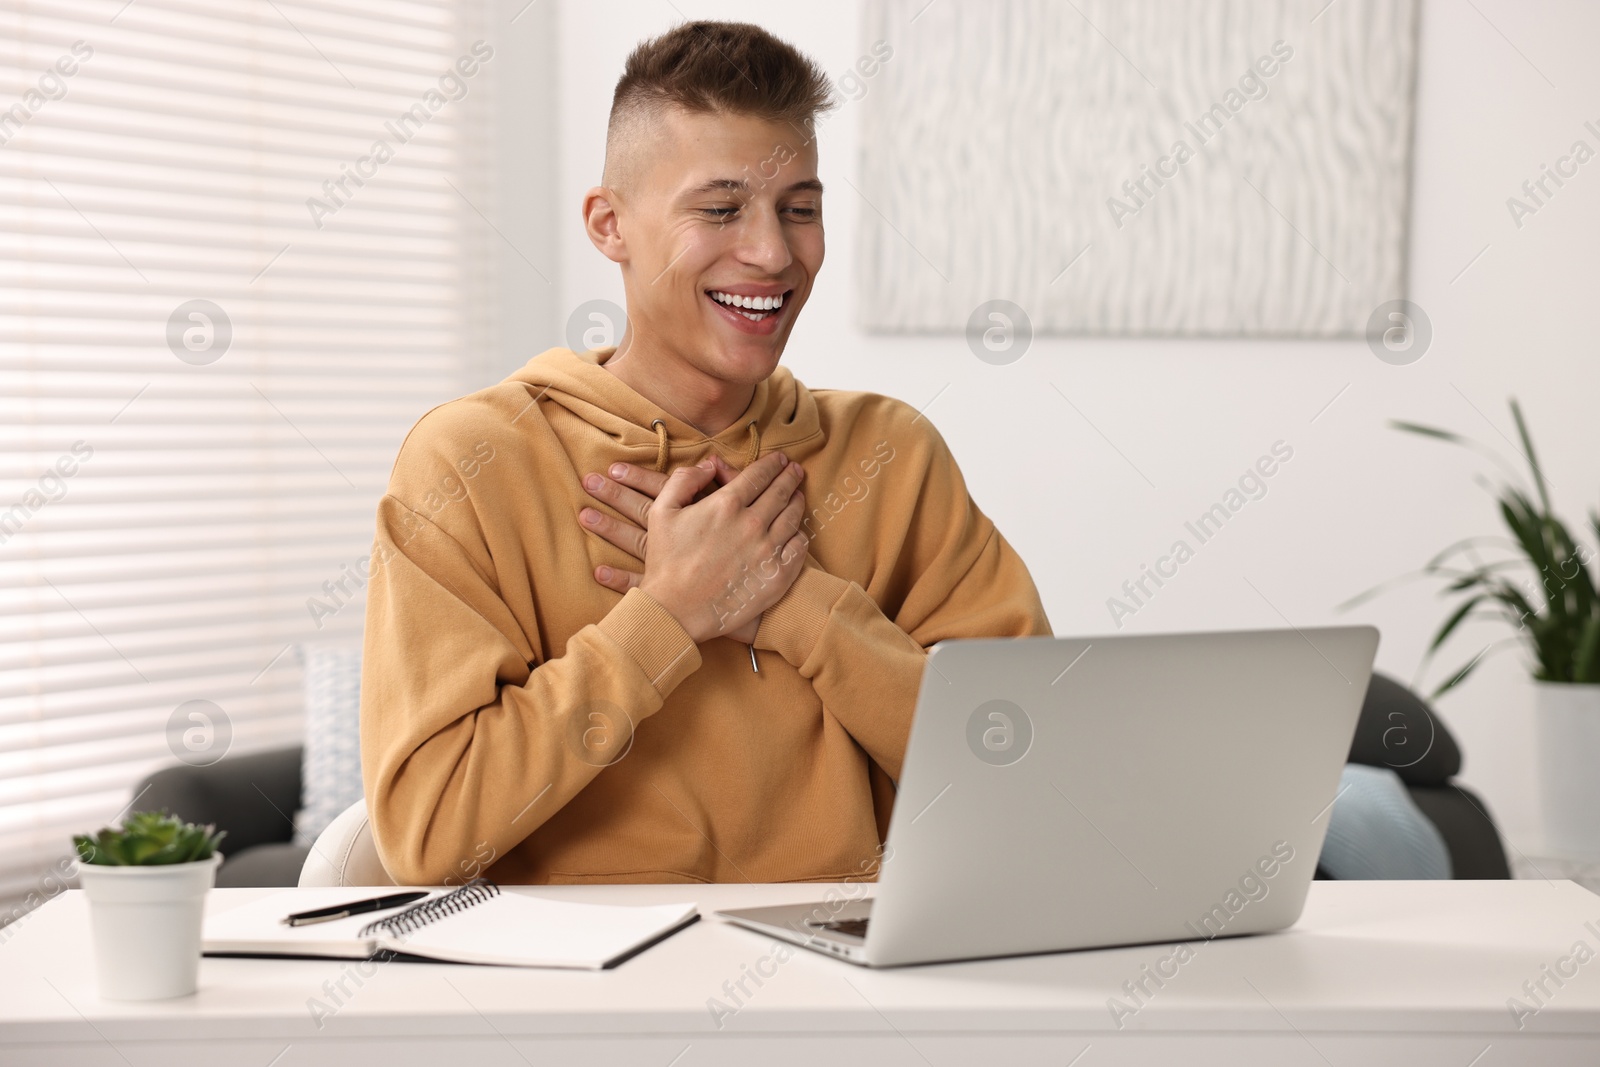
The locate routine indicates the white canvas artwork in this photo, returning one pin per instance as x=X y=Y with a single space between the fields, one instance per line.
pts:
x=1135 y=167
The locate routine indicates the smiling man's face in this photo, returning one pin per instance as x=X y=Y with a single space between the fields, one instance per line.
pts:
x=714 y=210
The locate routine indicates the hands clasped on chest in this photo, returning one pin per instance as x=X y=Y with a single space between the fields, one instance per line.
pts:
x=717 y=546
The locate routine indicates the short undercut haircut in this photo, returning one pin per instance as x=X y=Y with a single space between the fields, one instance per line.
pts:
x=710 y=67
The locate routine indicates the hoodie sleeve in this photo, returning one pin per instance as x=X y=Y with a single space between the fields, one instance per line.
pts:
x=944 y=571
x=470 y=737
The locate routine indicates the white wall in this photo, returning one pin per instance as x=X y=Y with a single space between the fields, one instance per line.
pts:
x=1359 y=502
x=524 y=252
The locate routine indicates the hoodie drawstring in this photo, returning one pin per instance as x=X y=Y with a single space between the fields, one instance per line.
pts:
x=664 y=450
x=755 y=444
x=661 y=445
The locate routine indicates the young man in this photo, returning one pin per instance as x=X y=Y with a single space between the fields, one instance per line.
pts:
x=659 y=612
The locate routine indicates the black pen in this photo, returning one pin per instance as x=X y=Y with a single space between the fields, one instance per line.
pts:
x=340 y=911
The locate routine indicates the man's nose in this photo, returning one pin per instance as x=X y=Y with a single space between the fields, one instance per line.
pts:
x=763 y=243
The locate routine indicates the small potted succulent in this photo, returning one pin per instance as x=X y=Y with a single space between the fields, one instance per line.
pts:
x=147 y=884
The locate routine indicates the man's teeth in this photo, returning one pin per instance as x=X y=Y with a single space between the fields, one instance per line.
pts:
x=762 y=305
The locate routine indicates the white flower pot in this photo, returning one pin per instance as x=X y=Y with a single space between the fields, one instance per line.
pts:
x=145 y=922
x=1569 y=766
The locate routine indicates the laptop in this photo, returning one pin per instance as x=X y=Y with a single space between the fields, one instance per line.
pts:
x=1068 y=793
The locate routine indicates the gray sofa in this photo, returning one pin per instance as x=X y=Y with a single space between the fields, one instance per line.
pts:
x=254 y=797
x=1400 y=731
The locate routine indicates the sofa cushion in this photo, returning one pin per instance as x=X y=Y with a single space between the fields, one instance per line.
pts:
x=253 y=796
x=331 y=774
x=1376 y=831
x=264 y=865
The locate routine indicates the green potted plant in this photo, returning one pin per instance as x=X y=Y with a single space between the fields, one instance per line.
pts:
x=146 y=884
x=1555 y=611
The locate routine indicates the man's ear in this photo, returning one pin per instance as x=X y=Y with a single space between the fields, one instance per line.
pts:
x=602 y=224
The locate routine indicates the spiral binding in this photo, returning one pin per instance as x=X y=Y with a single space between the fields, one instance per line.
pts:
x=417 y=916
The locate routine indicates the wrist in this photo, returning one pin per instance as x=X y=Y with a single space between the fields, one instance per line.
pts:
x=729 y=617
x=699 y=625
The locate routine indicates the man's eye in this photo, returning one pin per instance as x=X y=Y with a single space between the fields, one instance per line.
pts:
x=724 y=212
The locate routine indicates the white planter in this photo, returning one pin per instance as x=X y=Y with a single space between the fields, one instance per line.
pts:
x=1569 y=766
x=145 y=922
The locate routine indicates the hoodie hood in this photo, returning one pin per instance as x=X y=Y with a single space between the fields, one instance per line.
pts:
x=782 y=414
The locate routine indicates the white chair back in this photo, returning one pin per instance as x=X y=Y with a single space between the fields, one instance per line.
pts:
x=345 y=853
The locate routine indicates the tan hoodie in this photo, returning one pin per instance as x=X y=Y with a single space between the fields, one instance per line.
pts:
x=520 y=720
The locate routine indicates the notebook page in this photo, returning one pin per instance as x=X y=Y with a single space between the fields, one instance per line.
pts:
x=515 y=930
x=257 y=927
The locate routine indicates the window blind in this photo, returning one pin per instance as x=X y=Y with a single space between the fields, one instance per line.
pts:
x=241 y=252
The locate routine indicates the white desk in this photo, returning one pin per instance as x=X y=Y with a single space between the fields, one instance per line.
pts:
x=1412 y=973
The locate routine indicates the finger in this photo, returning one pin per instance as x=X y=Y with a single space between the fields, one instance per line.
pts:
x=794 y=553
x=783 y=530
x=643 y=479
x=717 y=480
x=770 y=504
x=754 y=479
x=648 y=483
x=615 y=578
x=682 y=485
x=790 y=519
x=630 y=490
x=625 y=535
x=726 y=472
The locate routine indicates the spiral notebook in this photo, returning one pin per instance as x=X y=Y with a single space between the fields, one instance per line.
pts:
x=473 y=923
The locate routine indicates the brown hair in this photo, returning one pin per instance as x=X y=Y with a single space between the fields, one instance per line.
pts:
x=707 y=67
